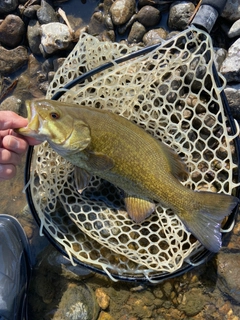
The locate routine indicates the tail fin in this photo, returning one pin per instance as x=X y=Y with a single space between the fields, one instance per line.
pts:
x=205 y=223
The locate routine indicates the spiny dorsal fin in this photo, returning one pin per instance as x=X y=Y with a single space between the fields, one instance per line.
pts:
x=178 y=168
x=138 y=208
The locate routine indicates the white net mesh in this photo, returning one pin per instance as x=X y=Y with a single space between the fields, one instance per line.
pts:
x=172 y=94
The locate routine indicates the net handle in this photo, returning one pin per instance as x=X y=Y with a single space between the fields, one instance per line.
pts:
x=208 y=13
x=217 y=5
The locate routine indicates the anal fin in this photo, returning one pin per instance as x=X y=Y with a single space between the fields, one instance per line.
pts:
x=138 y=208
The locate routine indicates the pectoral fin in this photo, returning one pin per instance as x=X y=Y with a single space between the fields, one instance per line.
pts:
x=138 y=209
x=82 y=179
x=99 y=161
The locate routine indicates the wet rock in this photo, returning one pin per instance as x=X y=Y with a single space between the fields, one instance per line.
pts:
x=7 y=6
x=122 y=10
x=234 y=30
x=142 y=3
x=103 y=299
x=179 y=15
x=12 y=60
x=34 y=36
x=220 y=56
x=233 y=96
x=231 y=10
x=96 y=24
x=12 y=30
x=54 y=36
x=149 y=16
x=31 y=11
x=77 y=303
x=154 y=36
x=193 y=302
x=57 y=63
x=46 y=13
x=136 y=33
x=106 y=316
x=231 y=65
x=11 y=103
x=228 y=271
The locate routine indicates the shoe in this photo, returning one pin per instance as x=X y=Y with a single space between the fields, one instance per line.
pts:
x=15 y=269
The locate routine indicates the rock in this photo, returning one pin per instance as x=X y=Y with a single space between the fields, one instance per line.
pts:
x=231 y=65
x=235 y=29
x=179 y=15
x=12 y=30
x=154 y=36
x=96 y=24
x=105 y=316
x=122 y=10
x=11 y=103
x=142 y=3
x=136 y=33
x=34 y=36
x=31 y=11
x=12 y=60
x=231 y=10
x=220 y=56
x=57 y=63
x=7 y=6
x=233 y=96
x=193 y=302
x=46 y=13
x=103 y=299
x=228 y=271
x=77 y=303
x=54 y=36
x=149 y=16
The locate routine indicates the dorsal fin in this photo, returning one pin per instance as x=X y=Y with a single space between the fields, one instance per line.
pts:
x=178 y=168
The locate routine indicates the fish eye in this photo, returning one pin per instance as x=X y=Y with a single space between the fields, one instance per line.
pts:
x=54 y=115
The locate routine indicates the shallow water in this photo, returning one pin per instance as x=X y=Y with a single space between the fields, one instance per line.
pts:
x=58 y=289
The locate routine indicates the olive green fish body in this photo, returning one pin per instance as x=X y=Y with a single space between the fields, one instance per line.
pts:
x=102 y=143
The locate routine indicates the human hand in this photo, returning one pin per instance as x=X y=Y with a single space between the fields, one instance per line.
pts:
x=12 y=145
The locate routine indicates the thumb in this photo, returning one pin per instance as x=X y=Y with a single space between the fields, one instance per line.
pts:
x=11 y=120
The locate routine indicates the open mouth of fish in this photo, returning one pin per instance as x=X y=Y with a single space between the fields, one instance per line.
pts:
x=34 y=122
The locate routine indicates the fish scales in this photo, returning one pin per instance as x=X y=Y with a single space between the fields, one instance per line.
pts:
x=141 y=163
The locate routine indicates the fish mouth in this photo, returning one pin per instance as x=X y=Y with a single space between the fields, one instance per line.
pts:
x=34 y=124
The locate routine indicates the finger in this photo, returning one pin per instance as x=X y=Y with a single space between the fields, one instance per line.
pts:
x=7 y=171
x=9 y=157
x=11 y=120
x=32 y=141
x=15 y=144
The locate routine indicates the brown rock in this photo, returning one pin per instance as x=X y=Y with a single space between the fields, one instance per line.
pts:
x=12 y=30
x=12 y=60
x=154 y=36
x=228 y=271
x=105 y=316
x=122 y=10
x=102 y=298
x=149 y=16
x=136 y=33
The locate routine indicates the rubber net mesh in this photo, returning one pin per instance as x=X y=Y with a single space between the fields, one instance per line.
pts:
x=172 y=94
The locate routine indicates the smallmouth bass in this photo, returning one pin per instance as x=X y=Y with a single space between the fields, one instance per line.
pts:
x=104 y=144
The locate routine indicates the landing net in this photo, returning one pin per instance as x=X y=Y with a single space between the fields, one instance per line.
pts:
x=170 y=92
